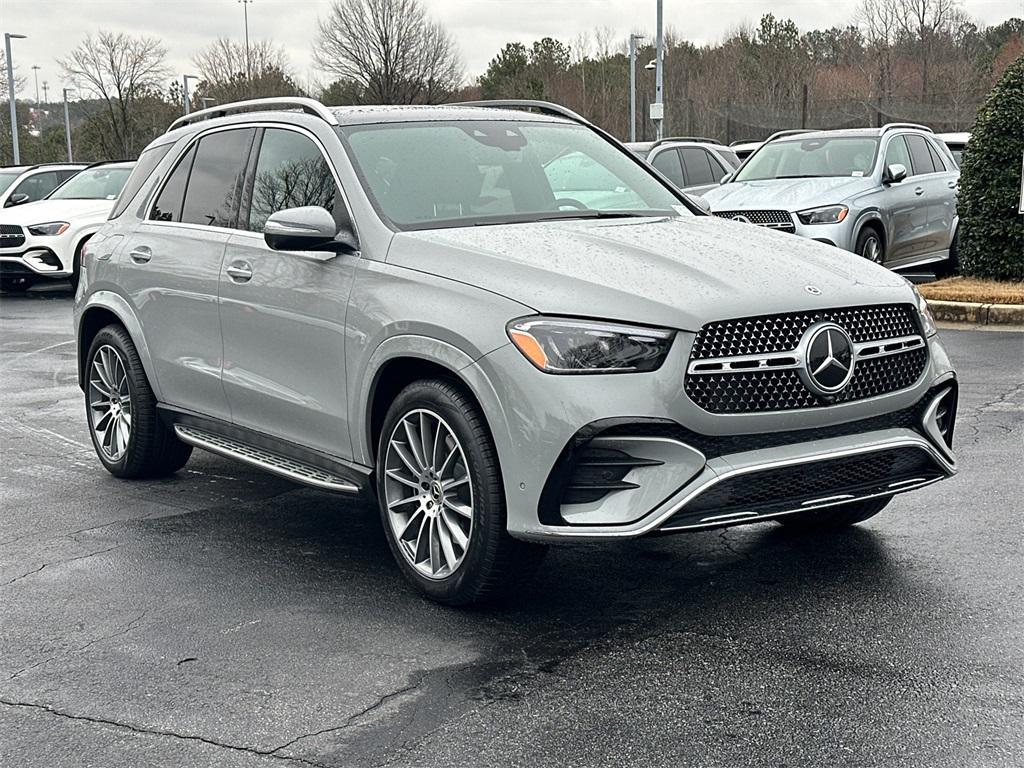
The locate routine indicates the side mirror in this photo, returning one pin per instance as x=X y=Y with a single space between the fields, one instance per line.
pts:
x=894 y=173
x=309 y=228
x=701 y=203
x=18 y=198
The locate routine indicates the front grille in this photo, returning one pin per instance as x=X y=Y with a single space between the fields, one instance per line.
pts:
x=782 y=220
x=751 y=391
x=787 y=488
x=11 y=236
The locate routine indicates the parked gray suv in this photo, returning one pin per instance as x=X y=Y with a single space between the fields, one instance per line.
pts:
x=888 y=194
x=398 y=301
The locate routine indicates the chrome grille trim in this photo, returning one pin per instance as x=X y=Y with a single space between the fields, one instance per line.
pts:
x=769 y=219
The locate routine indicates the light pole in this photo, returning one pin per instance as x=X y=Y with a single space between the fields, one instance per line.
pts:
x=658 y=108
x=67 y=122
x=184 y=88
x=248 y=63
x=8 y=36
x=46 y=91
x=633 y=40
x=35 y=71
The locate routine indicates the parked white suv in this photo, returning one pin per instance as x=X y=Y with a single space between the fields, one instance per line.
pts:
x=44 y=240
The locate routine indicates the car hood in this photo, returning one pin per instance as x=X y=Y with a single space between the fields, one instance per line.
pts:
x=43 y=211
x=786 y=194
x=674 y=272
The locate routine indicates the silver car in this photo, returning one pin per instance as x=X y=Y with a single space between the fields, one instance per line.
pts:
x=888 y=194
x=692 y=163
x=500 y=365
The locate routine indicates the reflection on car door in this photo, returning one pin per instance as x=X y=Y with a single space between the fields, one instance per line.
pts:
x=283 y=313
x=171 y=264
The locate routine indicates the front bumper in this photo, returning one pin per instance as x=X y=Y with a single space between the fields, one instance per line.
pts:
x=33 y=261
x=669 y=465
x=842 y=235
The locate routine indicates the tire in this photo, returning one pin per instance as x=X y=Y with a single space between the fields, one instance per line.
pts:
x=831 y=518
x=417 y=520
x=16 y=284
x=146 y=447
x=870 y=245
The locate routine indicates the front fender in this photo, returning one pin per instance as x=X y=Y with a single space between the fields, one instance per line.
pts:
x=117 y=305
x=430 y=350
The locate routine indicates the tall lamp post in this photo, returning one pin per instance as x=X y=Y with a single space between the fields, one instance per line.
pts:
x=248 y=62
x=8 y=36
x=67 y=122
x=35 y=71
x=184 y=89
x=633 y=40
x=658 y=108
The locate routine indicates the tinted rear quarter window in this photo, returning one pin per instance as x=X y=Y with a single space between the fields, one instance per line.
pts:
x=148 y=160
x=668 y=163
x=919 y=155
x=168 y=204
x=214 y=186
x=698 y=167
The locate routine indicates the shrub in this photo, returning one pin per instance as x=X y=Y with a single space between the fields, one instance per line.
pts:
x=991 y=230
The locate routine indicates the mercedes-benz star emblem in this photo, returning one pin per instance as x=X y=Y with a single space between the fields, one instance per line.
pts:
x=828 y=359
x=741 y=217
x=813 y=290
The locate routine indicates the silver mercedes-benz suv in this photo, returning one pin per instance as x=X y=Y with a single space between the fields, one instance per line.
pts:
x=888 y=194
x=401 y=301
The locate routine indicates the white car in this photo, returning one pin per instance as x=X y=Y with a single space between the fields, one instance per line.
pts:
x=44 y=240
x=956 y=143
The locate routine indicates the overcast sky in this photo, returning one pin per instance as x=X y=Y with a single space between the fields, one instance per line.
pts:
x=481 y=27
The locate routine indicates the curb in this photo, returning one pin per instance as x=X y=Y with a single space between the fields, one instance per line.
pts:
x=977 y=314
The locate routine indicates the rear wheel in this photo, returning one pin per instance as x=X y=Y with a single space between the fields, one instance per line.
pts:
x=831 y=518
x=126 y=431
x=442 y=499
x=870 y=246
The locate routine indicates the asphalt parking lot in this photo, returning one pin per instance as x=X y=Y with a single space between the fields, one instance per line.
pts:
x=227 y=618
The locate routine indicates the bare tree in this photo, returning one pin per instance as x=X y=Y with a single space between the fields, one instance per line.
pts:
x=924 y=22
x=880 y=20
x=391 y=48
x=225 y=60
x=122 y=71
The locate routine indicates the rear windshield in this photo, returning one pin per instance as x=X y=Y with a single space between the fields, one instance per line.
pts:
x=460 y=173
x=93 y=184
x=812 y=158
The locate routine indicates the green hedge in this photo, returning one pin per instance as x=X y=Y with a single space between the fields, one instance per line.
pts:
x=991 y=230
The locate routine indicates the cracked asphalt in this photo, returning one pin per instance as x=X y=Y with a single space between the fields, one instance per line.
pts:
x=227 y=618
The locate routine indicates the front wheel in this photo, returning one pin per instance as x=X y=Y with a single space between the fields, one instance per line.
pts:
x=869 y=245
x=126 y=430
x=442 y=499
x=839 y=516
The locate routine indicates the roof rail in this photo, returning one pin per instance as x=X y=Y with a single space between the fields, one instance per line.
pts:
x=105 y=162
x=544 y=107
x=701 y=139
x=789 y=132
x=895 y=126
x=309 y=106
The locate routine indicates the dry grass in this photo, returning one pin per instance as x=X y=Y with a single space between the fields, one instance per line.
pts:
x=970 y=289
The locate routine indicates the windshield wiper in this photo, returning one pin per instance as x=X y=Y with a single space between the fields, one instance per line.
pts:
x=803 y=176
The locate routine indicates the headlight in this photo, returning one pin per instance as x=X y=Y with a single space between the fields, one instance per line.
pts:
x=561 y=345
x=829 y=214
x=927 y=321
x=49 y=228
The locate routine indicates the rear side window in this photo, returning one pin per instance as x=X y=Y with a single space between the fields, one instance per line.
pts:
x=168 y=204
x=291 y=172
x=668 y=163
x=148 y=160
x=936 y=159
x=697 y=167
x=919 y=155
x=211 y=197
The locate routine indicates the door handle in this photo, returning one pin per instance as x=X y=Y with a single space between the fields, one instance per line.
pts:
x=140 y=254
x=239 y=271
x=951 y=184
x=919 y=191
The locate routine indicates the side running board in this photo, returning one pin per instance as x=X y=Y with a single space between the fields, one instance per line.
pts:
x=298 y=471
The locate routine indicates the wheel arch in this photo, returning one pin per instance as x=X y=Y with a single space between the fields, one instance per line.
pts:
x=105 y=308
x=873 y=220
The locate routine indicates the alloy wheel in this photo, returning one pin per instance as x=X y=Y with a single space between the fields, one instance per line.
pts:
x=428 y=493
x=110 y=402
x=872 y=250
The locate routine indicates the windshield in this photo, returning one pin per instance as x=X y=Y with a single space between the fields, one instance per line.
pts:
x=6 y=179
x=812 y=158
x=93 y=184
x=460 y=173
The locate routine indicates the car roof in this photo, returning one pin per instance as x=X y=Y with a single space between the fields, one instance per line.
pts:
x=371 y=114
